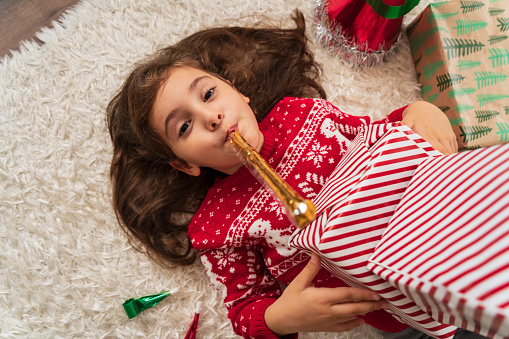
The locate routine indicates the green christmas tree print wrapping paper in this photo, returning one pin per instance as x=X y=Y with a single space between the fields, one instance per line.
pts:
x=461 y=54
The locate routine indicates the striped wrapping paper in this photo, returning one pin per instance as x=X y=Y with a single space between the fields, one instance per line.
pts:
x=447 y=246
x=355 y=206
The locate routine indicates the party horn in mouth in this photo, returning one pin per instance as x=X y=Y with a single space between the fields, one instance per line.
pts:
x=299 y=210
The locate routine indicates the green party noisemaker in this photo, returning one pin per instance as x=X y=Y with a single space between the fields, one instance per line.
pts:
x=133 y=307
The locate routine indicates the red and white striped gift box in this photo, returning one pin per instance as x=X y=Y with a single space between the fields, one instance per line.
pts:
x=355 y=206
x=447 y=246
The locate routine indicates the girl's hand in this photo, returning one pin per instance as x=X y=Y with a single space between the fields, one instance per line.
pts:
x=432 y=125
x=305 y=308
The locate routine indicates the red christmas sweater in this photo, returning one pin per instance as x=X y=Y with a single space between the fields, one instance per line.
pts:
x=241 y=231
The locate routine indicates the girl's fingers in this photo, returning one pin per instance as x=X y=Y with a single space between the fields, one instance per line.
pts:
x=454 y=145
x=352 y=294
x=358 y=308
x=308 y=273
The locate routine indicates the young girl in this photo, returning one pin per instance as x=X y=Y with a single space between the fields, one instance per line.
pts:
x=180 y=189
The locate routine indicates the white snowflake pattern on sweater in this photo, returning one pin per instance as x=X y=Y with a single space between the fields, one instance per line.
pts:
x=317 y=153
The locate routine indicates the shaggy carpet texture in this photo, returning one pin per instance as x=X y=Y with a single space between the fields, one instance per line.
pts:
x=65 y=265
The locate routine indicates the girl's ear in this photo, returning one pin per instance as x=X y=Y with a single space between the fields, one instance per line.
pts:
x=246 y=99
x=186 y=168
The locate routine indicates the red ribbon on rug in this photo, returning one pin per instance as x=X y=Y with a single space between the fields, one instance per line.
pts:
x=191 y=333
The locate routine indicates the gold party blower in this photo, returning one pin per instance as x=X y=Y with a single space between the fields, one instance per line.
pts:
x=300 y=211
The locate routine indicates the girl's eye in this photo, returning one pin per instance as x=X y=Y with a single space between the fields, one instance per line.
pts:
x=208 y=94
x=184 y=128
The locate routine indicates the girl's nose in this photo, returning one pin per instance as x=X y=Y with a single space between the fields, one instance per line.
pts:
x=215 y=120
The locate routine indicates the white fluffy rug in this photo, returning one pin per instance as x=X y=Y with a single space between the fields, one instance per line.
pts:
x=65 y=265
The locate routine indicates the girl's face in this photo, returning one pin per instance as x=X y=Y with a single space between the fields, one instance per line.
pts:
x=194 y=112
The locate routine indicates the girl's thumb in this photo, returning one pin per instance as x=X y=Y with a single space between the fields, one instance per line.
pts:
x=309 y=272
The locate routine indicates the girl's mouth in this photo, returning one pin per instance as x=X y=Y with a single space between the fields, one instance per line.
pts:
x=231 y=129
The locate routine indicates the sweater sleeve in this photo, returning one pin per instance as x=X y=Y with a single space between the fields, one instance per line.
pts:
x=349 y=125
x=247 y=288
x=394 y=116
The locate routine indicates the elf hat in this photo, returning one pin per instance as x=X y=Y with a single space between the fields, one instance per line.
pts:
x=363 y=32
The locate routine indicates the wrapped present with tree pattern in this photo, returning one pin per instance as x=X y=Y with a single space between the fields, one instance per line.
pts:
x=357 y=207
x=461 y=54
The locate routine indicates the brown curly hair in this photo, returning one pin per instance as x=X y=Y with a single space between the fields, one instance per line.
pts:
x=153 y=201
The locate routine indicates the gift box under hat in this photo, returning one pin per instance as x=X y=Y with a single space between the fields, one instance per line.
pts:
x=461 y=55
